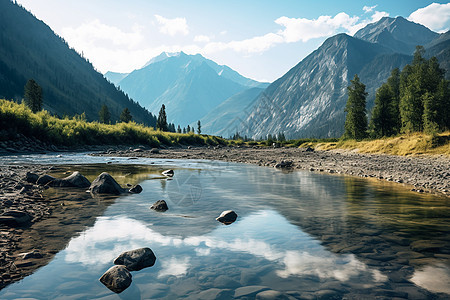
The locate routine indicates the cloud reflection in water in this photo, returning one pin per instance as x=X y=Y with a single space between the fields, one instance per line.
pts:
x=264 y=234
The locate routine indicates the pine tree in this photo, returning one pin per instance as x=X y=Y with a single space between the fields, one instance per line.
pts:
x=33 y=95
x=125 y=116
x=356 y=119
x=188 y=129
x=104 y=115
x=179 y=129
x=199 y=127
x=383 y=119
x=394 y=85
x=184 y=129
x=161 y=123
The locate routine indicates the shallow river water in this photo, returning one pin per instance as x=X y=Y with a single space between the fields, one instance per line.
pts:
x=304 y=235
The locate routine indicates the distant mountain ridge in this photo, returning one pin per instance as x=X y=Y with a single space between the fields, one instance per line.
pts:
x=309 y=100
x=189 y=86
x=30 y=49
x=397 y=34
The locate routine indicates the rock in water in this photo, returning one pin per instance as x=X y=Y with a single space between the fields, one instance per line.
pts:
x=160 y=205
x=106 y=184
x=74 y=180
x=168 y=173
x=154 y=151
x=227 y=217
x=136 y=189
x=117 y=279
x=137 y=259
x=14 y=218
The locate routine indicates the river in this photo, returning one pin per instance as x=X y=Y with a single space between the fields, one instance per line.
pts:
x=298 y=235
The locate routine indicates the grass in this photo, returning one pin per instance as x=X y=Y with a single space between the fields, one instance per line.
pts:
x=19 y=119
x=412 y=144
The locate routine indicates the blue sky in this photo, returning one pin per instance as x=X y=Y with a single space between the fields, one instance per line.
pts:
x=260 y=39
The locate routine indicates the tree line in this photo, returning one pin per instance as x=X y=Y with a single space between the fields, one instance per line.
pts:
x=417 y=99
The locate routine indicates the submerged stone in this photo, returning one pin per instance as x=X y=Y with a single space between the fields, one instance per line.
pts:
x=137 y=259
x=137 y=189
x=14 y=218
x=116 y=278
x=160 y=205
x=168 y=173
x=227 y=217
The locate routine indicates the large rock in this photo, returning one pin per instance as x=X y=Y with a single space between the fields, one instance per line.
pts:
x=137 y=259
x=14 y=218
x=227 y=217
x=45 y=179
x=31 y=177
x=106 y=184
x=117 y=279
x=74 y=180
x=160 y=205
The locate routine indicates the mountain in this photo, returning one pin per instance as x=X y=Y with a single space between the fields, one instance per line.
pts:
x=70 y=84
x=115 y=77
x=440 y=47
x=225 y=119
x=397 y=34
x=189 y=86
x=309 y=100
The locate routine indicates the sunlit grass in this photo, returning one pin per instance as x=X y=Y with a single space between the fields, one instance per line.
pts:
x=412 y=144
x=19 y=119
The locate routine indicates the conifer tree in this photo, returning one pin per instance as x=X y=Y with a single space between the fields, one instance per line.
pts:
x=161 y=123
x=356 y=119
x=394 y=85
x=125 y=116
x=104 y=115
x=383 y=119
x=179 y=129
x=184 y=129
x=33 y=96
x=199 y=127
x=188 y=129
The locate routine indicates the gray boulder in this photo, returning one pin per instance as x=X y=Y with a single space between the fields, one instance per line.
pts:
x=117 y=279
x=137 y=259
x=106 y=184
x=284 y=164
x=154 y=151
x=137 y=189
x=227 y=217
x=14 y=218
x=160 y=205
x=45 y=179
x=74 y=180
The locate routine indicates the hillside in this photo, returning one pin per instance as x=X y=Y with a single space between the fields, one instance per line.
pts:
x=70 y=84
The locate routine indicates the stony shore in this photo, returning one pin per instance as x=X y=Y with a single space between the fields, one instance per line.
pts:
x=429 y=174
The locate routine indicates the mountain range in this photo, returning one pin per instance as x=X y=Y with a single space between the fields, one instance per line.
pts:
x=189 y=86
x=309 y=100
x=29 y=49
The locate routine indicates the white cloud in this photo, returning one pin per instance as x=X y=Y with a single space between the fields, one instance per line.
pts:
x=95 y=32
x=172 y=26
x=368 y=9
x=434 y=16
x=202 y=39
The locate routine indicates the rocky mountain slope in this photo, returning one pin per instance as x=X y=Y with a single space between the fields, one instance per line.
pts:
x=309 y=100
